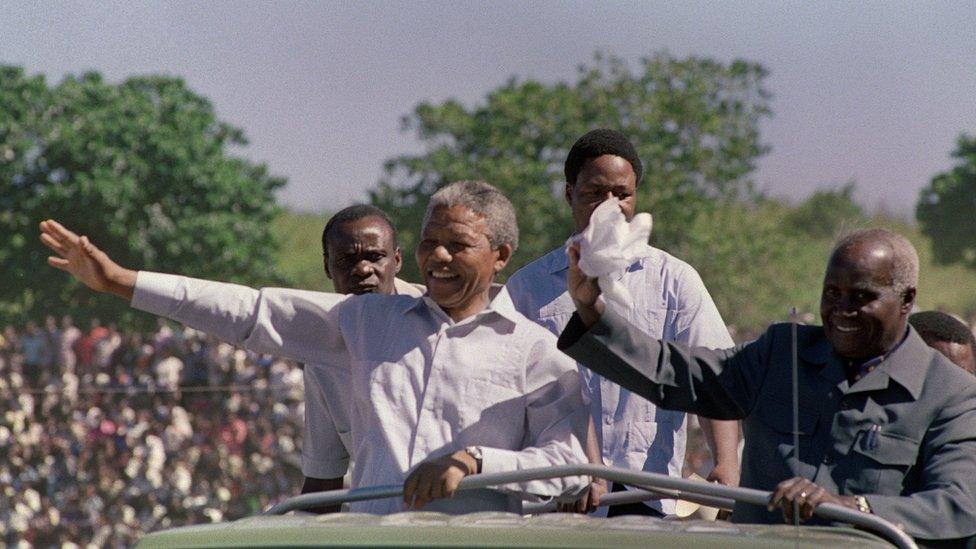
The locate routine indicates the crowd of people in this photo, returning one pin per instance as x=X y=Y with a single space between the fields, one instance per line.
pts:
x=106 y=435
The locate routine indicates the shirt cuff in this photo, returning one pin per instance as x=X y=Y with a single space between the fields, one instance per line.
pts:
x=496 y=460
x=154 y=292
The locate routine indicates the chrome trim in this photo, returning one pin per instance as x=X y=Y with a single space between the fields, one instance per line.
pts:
x=672 y=487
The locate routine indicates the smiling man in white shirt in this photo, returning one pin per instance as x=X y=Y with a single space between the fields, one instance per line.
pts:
x=451 y=384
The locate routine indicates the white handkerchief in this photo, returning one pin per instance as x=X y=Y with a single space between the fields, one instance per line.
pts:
x=610 y=244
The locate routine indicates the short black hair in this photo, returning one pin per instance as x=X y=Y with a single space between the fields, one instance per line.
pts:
x=597 y=143
x=355 y=213
x=942 y=327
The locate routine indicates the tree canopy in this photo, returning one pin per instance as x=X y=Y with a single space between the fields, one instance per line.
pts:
x=695 y=123
x=143 y=167
x=946 y=209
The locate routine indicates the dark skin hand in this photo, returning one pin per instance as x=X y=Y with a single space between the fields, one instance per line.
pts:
x=589 y=502
x=437 y=478
x=83 y=260
x=584 y=290
x=805 y=493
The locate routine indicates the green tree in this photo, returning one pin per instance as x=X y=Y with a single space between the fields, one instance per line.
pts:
x=753 y=269
x=143 y=168
x=946 y=209
x=827 y=213
x=695 y=122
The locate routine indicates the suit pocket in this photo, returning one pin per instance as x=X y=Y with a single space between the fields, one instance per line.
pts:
x=879 y=462
x=886 y=448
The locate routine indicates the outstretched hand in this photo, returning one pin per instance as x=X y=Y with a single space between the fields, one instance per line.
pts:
x=91 y=266
x=584 y=290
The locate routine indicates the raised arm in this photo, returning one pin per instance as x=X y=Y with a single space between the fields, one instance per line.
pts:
x=290 y=323
x=719 y=384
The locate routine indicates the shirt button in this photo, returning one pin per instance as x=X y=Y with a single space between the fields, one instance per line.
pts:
x=608 y=420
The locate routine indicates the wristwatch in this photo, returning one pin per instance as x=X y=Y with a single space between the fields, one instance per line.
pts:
x=476 y=454
x=862 y=504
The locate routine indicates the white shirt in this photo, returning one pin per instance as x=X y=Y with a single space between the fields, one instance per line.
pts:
x=669 y=302
x=327 y=440
x=421 y=385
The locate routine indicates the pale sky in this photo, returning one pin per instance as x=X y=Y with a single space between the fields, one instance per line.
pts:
x=871 y=91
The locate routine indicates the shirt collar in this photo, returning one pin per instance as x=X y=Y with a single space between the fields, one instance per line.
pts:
x=558 y=260
x=908 y=362
x=402 y=287
x=499 y=302
x=904 y=363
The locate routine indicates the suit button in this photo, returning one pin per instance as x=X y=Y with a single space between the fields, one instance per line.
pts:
x=827 y=460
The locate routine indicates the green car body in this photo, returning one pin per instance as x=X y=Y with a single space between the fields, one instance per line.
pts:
x=425 y=529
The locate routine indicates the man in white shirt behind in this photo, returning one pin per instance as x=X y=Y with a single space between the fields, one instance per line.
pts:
x=669 y=302
x=361 y=256
x=444 y=386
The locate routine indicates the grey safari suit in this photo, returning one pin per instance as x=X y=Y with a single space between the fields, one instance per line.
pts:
x=917 y=470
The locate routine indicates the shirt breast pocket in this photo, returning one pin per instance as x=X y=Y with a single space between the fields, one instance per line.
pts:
x=383 y=382
x=881 y=461
x=653 y=321
x=489 y=412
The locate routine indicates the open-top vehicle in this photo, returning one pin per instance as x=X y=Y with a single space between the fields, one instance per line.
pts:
x=285 y=524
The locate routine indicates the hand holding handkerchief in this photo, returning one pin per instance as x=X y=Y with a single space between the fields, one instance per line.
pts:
x=610 y=244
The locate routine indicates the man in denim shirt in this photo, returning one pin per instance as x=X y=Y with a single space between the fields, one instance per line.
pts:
x=670 y=302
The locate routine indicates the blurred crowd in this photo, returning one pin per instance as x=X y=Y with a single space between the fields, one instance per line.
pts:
x=107 y=435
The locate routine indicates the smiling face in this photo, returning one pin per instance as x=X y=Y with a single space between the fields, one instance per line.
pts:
x=457 y=260
x=361 y=257
x=863 y=315
x=599 y=179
